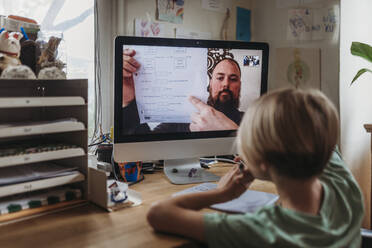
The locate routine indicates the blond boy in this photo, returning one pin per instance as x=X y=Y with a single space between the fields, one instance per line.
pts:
x=287 y=137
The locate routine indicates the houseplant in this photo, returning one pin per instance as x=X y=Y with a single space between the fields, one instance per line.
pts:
x=362 y=50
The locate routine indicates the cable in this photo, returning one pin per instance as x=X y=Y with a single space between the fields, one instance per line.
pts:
x=97 y=77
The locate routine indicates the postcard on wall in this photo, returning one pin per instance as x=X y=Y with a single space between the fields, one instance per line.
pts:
x=182 y=33
x=326 y=23
x=171 y=10
x=146 y=28
x=299 y=25
x=298 y=67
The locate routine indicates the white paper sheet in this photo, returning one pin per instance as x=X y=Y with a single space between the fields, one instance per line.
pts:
x=165 y=80
x=249 y=202
x=216 y=5
x=296 y=3
x=326 y=23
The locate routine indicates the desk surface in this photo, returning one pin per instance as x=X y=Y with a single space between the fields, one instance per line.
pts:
x=91 y=226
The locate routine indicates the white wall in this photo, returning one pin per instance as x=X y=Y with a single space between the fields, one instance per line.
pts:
x=195 y=18
x=270 y=25
x=356 y=100
x=116 y=17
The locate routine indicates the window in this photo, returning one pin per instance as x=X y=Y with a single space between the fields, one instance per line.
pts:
x=75 y=19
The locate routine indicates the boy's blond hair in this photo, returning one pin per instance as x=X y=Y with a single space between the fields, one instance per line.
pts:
x=292 y=130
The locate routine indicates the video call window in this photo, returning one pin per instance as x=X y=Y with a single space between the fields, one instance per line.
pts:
x=159 y=80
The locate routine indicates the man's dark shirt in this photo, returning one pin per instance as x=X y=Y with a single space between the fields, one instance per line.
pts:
x=131 y=122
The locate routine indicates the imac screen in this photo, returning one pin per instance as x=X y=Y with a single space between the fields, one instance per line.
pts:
x=177 y=92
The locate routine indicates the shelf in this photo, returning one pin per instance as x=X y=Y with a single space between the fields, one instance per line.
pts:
x=40 y=128
x=40 y=184
x=41 y=156
x=17 y=102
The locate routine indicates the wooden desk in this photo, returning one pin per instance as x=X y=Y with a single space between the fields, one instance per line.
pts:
x=91 y=226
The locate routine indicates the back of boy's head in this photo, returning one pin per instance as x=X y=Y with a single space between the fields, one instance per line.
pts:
x=294 y=131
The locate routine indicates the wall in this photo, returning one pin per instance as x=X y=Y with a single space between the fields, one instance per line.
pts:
x=116 y=17
x=356 y=100
x=195 y=18
x=269 y=25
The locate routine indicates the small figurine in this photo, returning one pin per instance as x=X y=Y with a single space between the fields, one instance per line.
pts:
x=48 y=57
x=9 y=43
x=9 y=49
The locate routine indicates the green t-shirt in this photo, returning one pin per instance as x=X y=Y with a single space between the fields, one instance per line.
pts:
x=337 y=225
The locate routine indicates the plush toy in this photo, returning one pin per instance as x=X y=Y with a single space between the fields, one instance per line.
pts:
x=6 y=61
x=9 y=43
x=18 y=72
x=51 y=73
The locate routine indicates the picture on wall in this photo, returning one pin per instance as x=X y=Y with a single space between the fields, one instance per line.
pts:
x=298 y=67
x=170 y=10
x=299 y=26
x=146 y=28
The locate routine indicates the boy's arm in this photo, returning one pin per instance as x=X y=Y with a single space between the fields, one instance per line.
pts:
x=179 y=215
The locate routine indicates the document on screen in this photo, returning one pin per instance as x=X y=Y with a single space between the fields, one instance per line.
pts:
x=166 y=78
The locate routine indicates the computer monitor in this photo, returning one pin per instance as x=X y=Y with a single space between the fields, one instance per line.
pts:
x=155 y=118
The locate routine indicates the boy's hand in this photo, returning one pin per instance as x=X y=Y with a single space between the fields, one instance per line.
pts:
x=235 y=182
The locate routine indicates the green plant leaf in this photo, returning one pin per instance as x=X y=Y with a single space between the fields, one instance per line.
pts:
x=362 y=50
x=360 y=72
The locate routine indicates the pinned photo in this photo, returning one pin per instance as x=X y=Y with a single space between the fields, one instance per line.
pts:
x=251 y=61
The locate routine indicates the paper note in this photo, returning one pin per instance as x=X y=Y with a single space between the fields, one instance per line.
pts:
x=145 y=28
x=326 y=23
x=182 y=33
x=299 y=26
x=295 y=3
x=216 y=5
x=165 y=80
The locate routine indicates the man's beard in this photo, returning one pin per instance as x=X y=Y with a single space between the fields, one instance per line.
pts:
x=226 y=106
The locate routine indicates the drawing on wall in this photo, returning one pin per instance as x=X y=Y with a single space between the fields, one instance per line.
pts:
x=171 y=10
x=298 y=67
x=146 y=28
x=299 y=24
x=326 y=23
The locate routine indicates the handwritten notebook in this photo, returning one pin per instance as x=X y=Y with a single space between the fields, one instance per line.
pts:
x=249 y=202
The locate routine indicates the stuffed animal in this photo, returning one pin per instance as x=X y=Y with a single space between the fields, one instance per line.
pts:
x=51 y=73
x=18 y=72
x=6 y=61
x=9 y=43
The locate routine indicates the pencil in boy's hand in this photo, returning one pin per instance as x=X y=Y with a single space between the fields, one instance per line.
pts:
x=241 y=166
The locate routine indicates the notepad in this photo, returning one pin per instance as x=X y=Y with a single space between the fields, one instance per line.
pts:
x=249 y=202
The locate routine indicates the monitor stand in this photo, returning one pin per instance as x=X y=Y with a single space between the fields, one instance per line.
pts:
x=178 y=171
